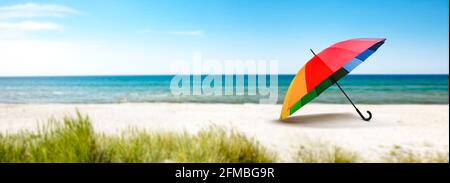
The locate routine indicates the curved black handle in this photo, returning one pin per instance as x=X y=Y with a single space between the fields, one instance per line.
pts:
x=370 y=116
x=364 y=118
x=357 y=110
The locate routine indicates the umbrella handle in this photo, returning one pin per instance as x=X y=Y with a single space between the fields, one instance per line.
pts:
x=362 y=116
x=357 y=110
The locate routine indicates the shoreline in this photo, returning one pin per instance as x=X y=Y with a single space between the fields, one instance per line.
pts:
x=219 y=103
x=420 y=127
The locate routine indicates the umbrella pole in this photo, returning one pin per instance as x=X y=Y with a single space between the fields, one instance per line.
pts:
x=357 y=110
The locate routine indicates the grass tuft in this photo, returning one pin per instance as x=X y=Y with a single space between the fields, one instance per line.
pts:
x=74 y=140
x=320 y=152
x=402 y=155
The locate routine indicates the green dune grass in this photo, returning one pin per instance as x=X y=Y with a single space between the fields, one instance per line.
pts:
x=320 y=152
x=398 y=154
x=74 y=140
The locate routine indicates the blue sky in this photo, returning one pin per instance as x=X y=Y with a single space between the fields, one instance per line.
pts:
x=98 y=37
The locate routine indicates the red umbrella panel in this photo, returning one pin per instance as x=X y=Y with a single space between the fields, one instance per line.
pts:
x=325 y=69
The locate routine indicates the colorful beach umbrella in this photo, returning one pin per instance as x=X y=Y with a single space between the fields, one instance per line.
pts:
x=325 y=69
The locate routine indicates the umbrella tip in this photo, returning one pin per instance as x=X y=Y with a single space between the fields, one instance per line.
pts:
x=312 y=52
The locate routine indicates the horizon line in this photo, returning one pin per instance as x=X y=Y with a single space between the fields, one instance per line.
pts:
x=130 y=75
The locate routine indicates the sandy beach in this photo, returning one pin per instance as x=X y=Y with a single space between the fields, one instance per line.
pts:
x=416 y=127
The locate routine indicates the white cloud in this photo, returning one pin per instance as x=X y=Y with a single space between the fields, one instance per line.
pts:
x=29 y=25
x=188 y=33
x=19 y=17
x=30 y=10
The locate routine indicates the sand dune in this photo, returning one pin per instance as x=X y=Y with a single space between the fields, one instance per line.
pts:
x=418 y=127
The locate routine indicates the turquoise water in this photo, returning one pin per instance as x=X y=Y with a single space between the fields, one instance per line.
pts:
x=372 y=89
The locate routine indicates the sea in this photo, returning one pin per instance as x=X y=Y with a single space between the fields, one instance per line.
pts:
x=364 y=89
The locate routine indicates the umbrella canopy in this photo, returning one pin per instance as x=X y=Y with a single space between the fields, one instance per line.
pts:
x=325 y=69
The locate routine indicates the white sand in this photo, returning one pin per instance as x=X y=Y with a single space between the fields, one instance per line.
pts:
x=415 y=127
